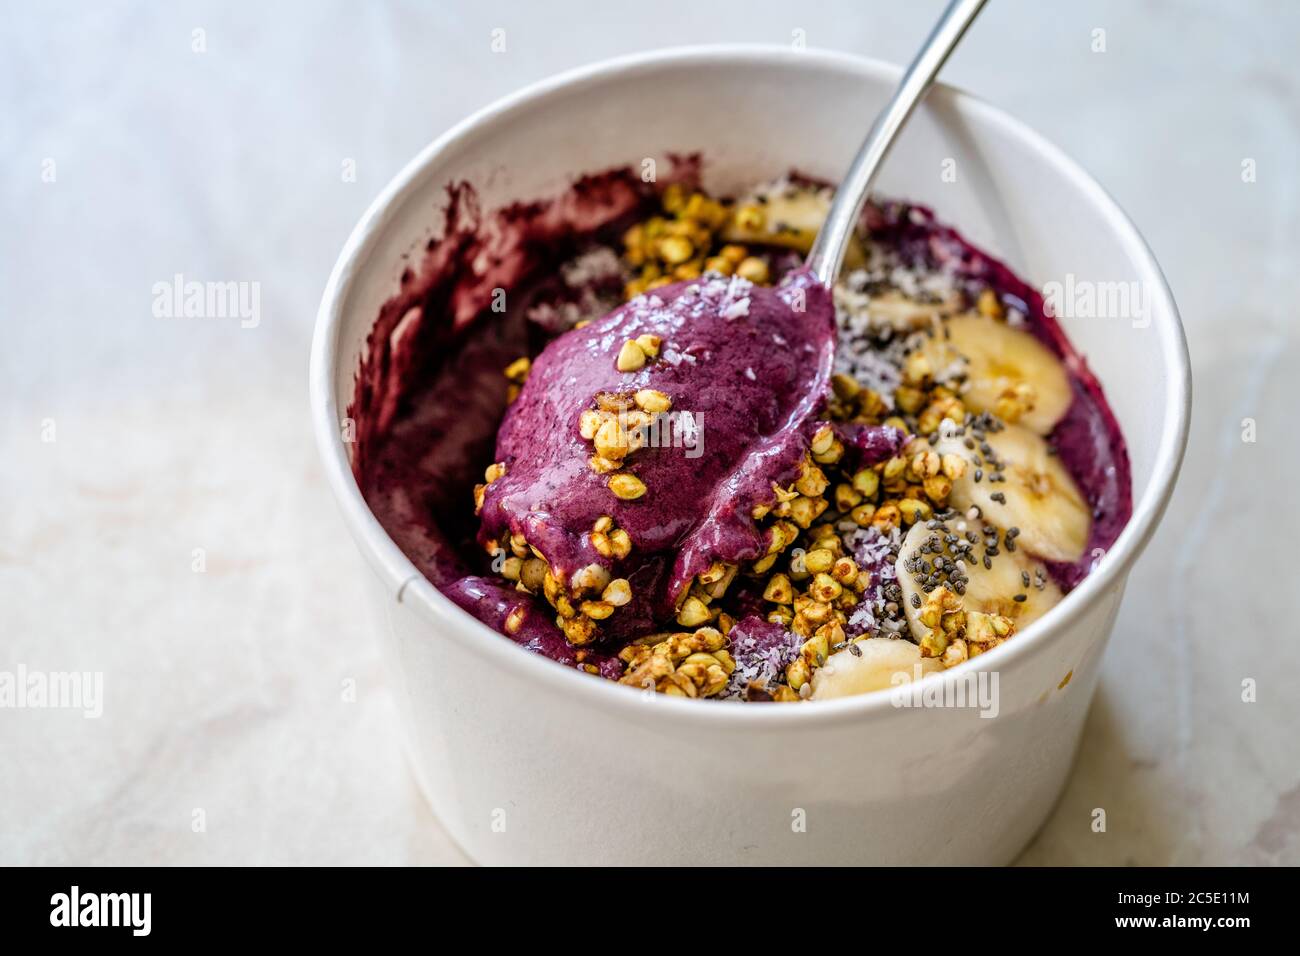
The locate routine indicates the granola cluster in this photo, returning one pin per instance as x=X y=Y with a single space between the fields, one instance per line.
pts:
x=616 y=428
x=694 y=664
x=688 y=241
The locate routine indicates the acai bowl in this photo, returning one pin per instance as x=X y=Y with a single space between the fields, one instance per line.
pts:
x=527 y=759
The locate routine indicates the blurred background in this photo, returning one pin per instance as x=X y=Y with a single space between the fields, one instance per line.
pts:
x=163 y=519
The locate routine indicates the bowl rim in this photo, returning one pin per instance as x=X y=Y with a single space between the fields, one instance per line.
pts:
x=408 y=586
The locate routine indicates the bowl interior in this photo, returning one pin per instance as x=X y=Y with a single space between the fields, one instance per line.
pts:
x=758 y=113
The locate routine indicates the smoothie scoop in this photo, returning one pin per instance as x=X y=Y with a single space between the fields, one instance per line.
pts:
x=642 y=444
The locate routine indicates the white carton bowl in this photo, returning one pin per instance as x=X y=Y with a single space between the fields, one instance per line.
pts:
x=528 y=762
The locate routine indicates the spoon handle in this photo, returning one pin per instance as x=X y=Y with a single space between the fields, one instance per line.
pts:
x=827 y=252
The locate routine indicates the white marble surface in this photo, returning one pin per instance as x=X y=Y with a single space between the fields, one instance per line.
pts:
x=224 y=690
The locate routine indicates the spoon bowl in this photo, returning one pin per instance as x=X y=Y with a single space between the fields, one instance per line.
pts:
x=526 y=761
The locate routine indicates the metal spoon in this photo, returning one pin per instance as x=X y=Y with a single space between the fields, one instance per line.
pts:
x=827 y=252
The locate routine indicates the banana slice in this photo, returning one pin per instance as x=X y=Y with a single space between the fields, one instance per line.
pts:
x=991 y=590
x=788 y=217
x=872 y=667
x=892 y=308
x=1038 y=497
x=1008 y=372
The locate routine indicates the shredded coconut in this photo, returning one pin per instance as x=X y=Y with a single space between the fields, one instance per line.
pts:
x=597 y=265
x=736 y=309
x=757 y=661
x=874 y=553
x=871 y=347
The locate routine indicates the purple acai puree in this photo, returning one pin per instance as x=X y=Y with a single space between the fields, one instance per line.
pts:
x=491 y=601
x=749 y=364
x=866 y=445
